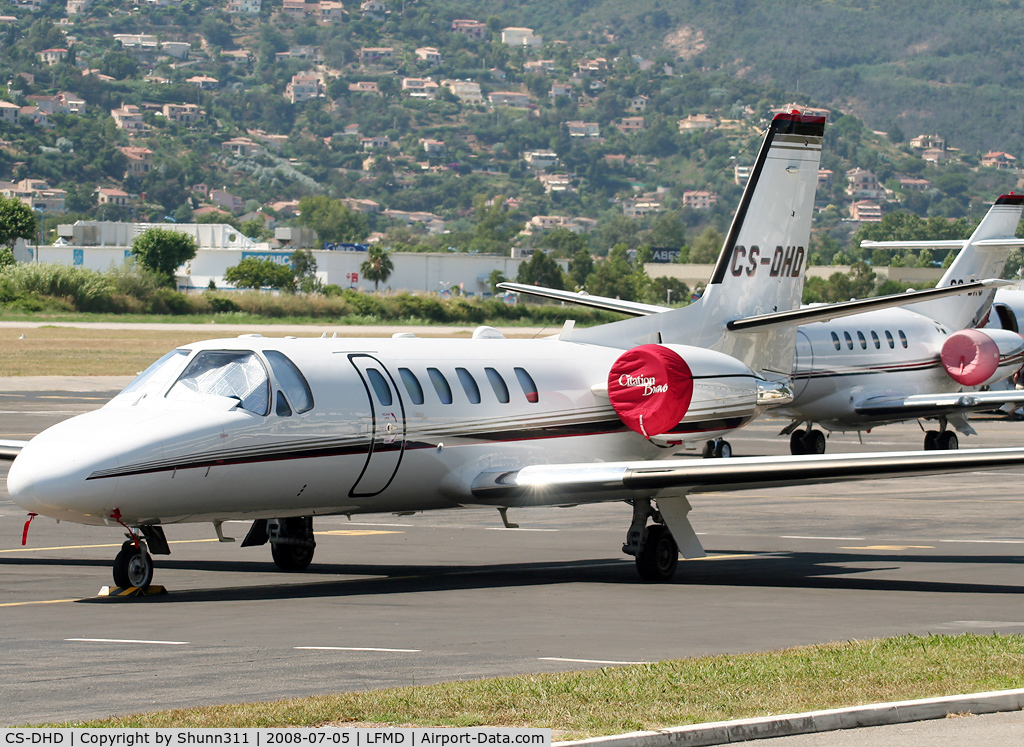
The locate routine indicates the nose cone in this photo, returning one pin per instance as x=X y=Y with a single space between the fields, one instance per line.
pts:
x=51 y=474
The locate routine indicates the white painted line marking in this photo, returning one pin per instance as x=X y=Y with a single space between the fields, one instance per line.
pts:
x=517 y=529
x=589 y=661
x=127 y=640
x=986 y=542
x=352 y=648
x=368 y=524
x=801 y=537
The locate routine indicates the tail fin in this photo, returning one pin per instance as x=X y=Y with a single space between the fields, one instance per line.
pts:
x=982 y=257
x=762 y=263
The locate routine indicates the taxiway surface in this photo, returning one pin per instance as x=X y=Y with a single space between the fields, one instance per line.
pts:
x=416 y=599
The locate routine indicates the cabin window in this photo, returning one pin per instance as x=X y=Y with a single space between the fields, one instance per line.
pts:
x=874 y=339
x=282 y=409
x=155 y=378
x=526 y=382
x=849 y=340
x=441 y=386
x=835 y=341
x=237 y=374
x=469 y=385
x=498 y=385
x=888 y=339
x=863 y=342
x=903 y=338
x=380 y=386
x=291 y=380
x=412 y=385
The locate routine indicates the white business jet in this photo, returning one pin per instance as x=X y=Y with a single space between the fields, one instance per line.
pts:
x=924 y=360
x=277 y=431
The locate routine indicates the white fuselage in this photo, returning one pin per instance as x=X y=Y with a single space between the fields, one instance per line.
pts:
x=395 y=425
x=846 y=362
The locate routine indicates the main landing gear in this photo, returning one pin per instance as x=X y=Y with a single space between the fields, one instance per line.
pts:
x=807 y=442
x=717 y=449
x=654 y=547
x=941 y=441
x=291 y=540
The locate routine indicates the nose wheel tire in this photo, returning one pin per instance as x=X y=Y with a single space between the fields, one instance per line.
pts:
x=796 y=442
x=133 y=566
x=659 y=557
x=814 y=442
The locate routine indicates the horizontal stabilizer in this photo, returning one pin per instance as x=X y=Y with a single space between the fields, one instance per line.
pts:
x=934 y=405
x=10 y=449
x=582 y=298
x=1010 y=242
x=823 y=313
x=555 y=483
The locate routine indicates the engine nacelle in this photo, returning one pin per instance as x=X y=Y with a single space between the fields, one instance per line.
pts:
x=655 y=389
x=975 y=357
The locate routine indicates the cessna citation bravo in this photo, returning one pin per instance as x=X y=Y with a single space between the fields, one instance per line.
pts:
x=277 y=431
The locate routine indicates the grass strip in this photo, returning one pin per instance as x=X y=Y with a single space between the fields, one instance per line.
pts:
x=613 y=700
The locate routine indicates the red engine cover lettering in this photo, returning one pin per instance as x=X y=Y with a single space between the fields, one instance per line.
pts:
x=970 y=357
x=650 y=388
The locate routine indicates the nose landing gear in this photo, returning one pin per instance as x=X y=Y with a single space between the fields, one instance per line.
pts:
x=133 y=565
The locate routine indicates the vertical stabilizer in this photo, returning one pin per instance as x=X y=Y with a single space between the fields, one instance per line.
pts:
x=762 y=263
x=977 y=262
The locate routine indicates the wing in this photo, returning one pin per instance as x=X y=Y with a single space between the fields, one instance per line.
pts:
x=553 y=484
x=934 y=405
x=10 y=449
x=582 y=298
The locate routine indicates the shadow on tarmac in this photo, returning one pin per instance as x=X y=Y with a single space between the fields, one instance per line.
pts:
x=808 y=570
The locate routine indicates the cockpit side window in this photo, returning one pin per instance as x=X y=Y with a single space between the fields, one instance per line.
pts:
x=291 y=380
x=155 y=378
x=226 y=373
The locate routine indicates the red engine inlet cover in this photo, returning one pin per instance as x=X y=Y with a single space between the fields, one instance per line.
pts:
x=650 y=388
x=970 y=357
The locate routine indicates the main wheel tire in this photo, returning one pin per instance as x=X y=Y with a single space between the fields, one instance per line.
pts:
x=948 y=441
x=292 y=557
x=133 y=567
x=709 y=450
x=814 y=442
x=931 y=440
x=723 y=449
x=796 y=442
x=659 y=557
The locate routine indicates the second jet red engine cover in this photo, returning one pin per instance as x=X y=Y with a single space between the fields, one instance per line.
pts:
x=650 y=388
x=970 y=357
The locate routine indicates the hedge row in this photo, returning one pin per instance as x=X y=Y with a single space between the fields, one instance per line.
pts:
x=129 y=290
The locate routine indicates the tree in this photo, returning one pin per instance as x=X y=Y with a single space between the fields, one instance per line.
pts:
x=17 y=221
x=377 y=266
x=541 y=270
x=332 y=220
x=580 y=267
x=304 y=267
x=707 y=246
x=261 y=273
x=163 y=251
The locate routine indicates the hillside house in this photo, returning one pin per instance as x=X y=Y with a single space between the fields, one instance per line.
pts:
x=302 y=87
x=509 y=98
x=53 y=56
x=376 y=55
x=541 y=159
x=203 y=82
x=638 y=103
x=364 y=86
x=329 y=11
x=128 y=118
x=556 y=183
x=138 y=43
x=998 y=160
x=111 y=196
x=430 y=55
x=241 y=146
x=179 y=50
x=583 y=129
x=862 y=183
x=914 y=184
x=186 y=114
x=924 y=142
x=433 y=148
x=9 y=113
x=629 y=125
x=545 y=67
x=472 y=29
x=466 y=91
x=697 y=122
x=245 y=7
x=559 y=89
x=373 y=8
x=866 y=211
x=420 y=88
x=699 y=199
x=225 y=199
x=520 y=36
x=72 y=102
x=379 y=142
x=140 y=161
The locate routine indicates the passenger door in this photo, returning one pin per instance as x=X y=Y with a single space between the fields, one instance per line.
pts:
x=387 y=426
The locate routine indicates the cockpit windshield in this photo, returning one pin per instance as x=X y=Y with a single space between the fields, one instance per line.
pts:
x=226 y=373
x=155 y=378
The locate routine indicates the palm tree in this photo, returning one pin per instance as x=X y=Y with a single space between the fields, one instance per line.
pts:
x=377 y=266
